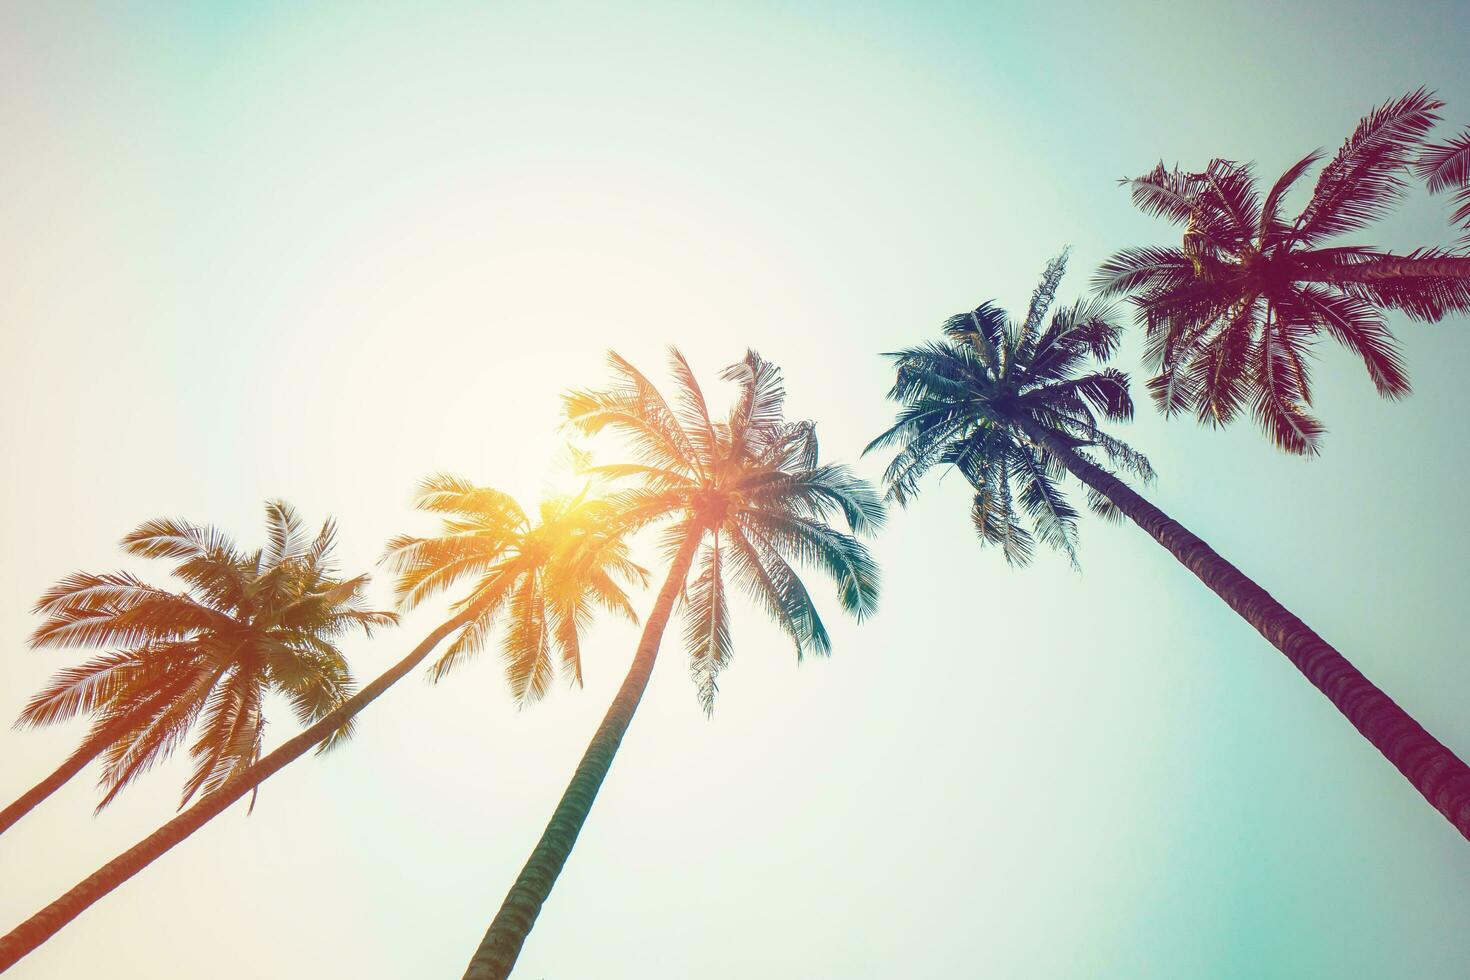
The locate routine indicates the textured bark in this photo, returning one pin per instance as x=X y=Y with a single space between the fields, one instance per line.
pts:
x=1398 y=267
x=512 y=924
x=45 y=923
x=1436 y=772
x=32 y=797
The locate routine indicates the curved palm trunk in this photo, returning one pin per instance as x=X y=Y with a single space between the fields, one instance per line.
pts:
x=1436 y=772
x=32 y=797
x=512 y=924
x=1399 y=267
x=47 y=922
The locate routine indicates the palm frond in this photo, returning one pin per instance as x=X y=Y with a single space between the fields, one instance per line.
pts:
x=634 y=408
x=285 y=534
x=707 y=624
x=1446 y=167
x=1364 y=180
x=1041 y=298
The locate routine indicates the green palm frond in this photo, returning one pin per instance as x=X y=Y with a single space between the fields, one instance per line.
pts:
x=969 y=402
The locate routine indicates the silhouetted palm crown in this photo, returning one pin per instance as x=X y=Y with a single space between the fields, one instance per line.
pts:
x=544 y=579
x=750 y=486
x=1232 y=313
x=990 y=400
x=246 y=625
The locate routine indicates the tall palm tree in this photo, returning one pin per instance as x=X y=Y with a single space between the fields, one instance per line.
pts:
x=1015 y=407
x=744 y=496
x=547 y=578
x=1230 y=315
x=247 y=624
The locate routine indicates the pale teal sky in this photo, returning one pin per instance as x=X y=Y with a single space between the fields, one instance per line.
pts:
x=320 y=253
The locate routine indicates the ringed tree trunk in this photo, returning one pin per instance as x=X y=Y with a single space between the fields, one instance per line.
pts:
x=502 y=944
x=1436 y=772
x=47 y=922
x=1398 y=267
x=32 y=797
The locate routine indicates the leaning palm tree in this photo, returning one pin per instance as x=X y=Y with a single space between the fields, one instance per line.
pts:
x=1231 y=314
x=546 y=578
x=246 y=625
x=1016 y=406
x=744 y=497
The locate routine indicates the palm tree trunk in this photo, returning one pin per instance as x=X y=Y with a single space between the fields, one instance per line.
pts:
x=1436 y=772
x=47 y=922
x=512 y=924
x=28 y=800
x=1398 y=267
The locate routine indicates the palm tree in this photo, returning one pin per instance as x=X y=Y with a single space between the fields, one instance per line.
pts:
x=246 y=625
x=547 y=578
x=1015 y=407
x=745 y=497
x=1231 y=314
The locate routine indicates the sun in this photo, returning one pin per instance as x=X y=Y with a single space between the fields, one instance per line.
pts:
x=569 y=474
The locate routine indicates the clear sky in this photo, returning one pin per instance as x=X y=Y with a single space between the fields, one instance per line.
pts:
x=319 y=253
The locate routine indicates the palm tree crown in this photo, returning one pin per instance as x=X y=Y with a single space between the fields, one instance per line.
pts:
x=982 y=399
x=1231 y=314
x=247 y=624
x=545 y=578
x=751 y=488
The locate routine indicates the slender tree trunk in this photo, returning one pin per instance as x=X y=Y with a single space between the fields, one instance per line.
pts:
x=1397 y=267
x=512 y=924
x=47 y=922
x=32 y=797
x=1436 y=772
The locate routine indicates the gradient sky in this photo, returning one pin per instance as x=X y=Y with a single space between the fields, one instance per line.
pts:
x=266 y=250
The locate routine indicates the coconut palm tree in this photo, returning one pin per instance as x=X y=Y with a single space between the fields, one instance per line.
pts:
x=546 y=578
x=545 y=581
x=1230 y=315
x=1016 y=406
x=743 y=497
x=247 y=624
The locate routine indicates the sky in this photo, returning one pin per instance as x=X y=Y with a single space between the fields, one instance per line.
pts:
x=320 y=252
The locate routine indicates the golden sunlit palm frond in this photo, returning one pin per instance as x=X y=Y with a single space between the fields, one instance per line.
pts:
x=539 y=581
